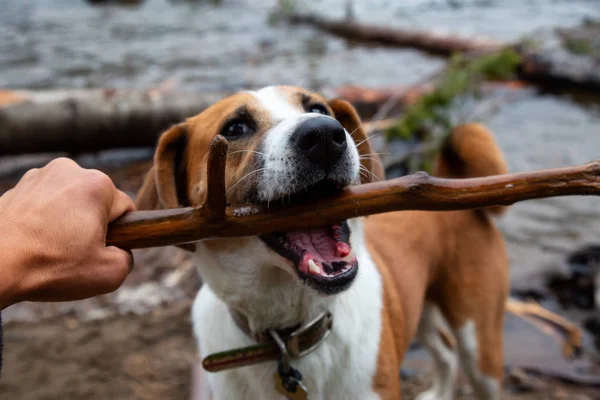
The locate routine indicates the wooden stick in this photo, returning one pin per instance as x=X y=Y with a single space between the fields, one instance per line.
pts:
x=214 y=207
x=413 y=192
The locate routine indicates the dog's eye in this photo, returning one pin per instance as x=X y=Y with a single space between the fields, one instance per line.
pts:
x=235 y=129
x=318 y=109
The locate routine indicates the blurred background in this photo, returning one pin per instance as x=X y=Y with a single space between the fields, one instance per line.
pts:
x=99 y=80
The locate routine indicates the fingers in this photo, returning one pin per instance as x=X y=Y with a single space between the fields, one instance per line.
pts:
x=30 y=175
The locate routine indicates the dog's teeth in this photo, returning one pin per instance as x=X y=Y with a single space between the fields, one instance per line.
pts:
x=350 y=257
x=313 y=267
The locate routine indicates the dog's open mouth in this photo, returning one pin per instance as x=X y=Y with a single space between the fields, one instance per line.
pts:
x=322 y=257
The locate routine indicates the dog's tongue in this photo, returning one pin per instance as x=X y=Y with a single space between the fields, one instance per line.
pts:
x=320 y=243
x=323 y=247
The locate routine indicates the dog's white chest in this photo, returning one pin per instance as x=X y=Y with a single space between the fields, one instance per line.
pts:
x=341 y=368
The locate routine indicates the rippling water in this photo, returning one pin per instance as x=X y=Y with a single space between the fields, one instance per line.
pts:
x=67 y=43
x=200 y=46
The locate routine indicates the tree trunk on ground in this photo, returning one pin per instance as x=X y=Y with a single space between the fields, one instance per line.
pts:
x=559 y=70
x=443 y=45
x=549 y=68
x=91 y=120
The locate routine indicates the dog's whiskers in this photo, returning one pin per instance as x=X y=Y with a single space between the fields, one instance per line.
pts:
x=372 y=121
x=269 y=196
x=247 y=151
x=357 y=128
x=373 y=154
x=374 y=160
x=373 y=176
x=244 y=177
x=369 y=137
x=363 y=175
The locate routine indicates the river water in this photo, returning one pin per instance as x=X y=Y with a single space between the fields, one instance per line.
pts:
x=196 y=45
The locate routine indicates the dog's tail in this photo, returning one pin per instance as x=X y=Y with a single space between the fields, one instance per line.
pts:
x=471 y=151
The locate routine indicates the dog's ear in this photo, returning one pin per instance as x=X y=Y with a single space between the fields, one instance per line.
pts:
x=165 y=185
x=348 y=117
x=147 y=196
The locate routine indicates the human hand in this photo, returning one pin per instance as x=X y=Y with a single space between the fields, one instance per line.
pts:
x=52 y=235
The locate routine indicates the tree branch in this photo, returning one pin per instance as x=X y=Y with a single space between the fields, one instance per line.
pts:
x=214 y=206
x=413 y=192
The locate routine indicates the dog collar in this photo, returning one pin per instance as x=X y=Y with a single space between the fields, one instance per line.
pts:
x=298 y=341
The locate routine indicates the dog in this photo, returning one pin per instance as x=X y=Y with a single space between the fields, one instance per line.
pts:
x=385 y=279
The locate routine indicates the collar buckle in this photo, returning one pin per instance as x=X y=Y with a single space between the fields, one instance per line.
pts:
x=309 y=336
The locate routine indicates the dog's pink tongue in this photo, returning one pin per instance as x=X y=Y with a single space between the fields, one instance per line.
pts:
x=319 y=243
x=322 y=250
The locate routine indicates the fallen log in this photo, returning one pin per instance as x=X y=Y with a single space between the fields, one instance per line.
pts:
x=91 y=120
x=552 y=68
x=77 y=121
x=436 y=44
x=559 y=70
x=413 y=192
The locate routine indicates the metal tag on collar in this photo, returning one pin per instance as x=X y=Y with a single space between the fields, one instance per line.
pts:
x=323 y=321
x=290 y=386
x=288 y=380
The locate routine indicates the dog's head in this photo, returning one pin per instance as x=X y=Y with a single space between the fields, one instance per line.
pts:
x=285 y=144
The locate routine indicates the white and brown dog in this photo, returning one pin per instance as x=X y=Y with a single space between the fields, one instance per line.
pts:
x=385 y=279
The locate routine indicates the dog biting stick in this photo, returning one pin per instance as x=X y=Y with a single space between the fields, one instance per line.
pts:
x=413 y=192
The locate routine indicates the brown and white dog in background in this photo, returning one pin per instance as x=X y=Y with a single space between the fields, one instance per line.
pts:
x=386 y=278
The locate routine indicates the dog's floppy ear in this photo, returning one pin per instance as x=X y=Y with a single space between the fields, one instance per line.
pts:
x=348 y=117
x=147 y=196
x=165 y=185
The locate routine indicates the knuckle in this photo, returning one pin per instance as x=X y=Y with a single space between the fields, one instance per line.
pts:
x=98 y=181
x=31 y=174
x=62 y=162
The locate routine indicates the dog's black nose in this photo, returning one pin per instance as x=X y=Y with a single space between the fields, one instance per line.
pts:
x=322 y=140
